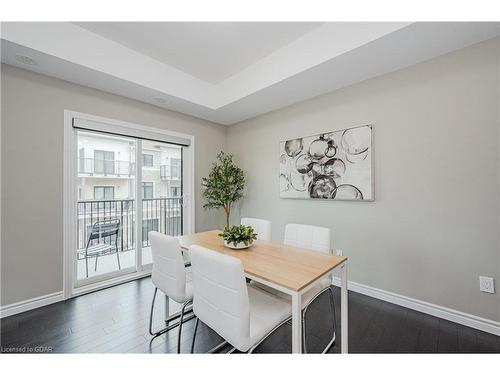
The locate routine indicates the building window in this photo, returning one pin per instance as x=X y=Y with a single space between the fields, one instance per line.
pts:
x=147 y=190
x=164 y=172
x=175 y=191
x=104 y=162
x=147 y=160
x=104 y=193
x=175 y=168
x=81 y=161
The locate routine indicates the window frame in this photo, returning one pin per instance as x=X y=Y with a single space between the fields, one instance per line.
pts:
x=104 y=187
x=104 y=160
x=70 y=191
x=177 y=168
x=150 y=185
x=177 y=189
x=144 y=159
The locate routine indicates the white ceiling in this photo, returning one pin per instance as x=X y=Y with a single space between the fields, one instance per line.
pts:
x=283 y=64
x=210 y=51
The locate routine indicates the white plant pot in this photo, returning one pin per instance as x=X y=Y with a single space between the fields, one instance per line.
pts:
x=239 y=246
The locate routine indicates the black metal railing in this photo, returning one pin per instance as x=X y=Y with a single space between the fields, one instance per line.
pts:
x=162 y=215
x=159 y=214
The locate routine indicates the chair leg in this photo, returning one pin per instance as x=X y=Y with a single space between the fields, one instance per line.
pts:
x=304 y=331
x=118 y=259
x=180 y=327
x=87 y=265
x=268 y=334
x=217 y=347
x=95 y=268
x=170 y=319
x=334 y=324
x=151 y=314
x=194 y=334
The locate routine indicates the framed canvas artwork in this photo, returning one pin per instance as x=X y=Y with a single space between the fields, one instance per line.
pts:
x=337 y=165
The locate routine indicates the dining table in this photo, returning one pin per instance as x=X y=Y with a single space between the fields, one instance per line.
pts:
x=285 y=268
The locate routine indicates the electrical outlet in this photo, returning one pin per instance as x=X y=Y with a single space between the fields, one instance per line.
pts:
x=486 y=284
x=338 y=253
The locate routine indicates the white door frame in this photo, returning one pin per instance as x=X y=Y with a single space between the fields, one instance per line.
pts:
x=70 y=193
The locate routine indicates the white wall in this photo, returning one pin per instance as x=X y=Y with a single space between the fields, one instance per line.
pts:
x=432 y=230
x=434 y=225
x=32 y=171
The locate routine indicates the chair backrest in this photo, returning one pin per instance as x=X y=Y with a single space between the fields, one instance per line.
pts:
x=169 y=271
x=105 y=228
x=261 y=227
x=220 y=295
x=308 y=237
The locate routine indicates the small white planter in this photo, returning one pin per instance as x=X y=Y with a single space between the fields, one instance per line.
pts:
x=239 y=246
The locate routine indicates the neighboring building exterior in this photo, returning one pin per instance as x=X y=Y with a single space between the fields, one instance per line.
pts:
x=106 y=168
x=106 y=186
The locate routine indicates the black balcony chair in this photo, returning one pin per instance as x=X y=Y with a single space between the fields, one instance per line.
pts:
x=102 y=230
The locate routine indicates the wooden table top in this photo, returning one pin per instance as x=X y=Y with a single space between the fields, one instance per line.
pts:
x=290 y=267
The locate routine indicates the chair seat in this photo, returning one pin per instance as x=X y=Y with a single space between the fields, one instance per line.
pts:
x=266 y=312
x=99 y=249
x=306 y=297
x=188 y=295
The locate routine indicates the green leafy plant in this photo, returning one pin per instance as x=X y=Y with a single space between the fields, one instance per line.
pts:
x=239 y=233
x=224 y=185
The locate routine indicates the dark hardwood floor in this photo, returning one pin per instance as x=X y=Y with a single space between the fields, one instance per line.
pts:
x=115 y=320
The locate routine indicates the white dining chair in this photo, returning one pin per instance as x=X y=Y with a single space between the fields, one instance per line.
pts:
x=313 y=238
x=319 y=239
x=171 y=276
x=263 y=230
x=241 y=314
x=308 y=237
x=261 y=227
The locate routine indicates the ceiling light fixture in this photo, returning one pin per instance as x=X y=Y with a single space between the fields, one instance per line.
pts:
x=25 y=60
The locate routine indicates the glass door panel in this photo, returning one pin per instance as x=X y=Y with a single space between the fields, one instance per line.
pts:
x=106 y=234
x=161 y=189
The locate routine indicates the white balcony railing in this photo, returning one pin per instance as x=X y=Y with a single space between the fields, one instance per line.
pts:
x=91 y=166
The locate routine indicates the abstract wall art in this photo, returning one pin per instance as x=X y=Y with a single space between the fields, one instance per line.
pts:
x=336 y=165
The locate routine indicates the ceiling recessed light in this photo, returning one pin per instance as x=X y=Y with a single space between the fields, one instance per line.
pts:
x=25 y=60
x=159 y=100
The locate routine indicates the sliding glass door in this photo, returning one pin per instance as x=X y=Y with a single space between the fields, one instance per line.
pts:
x=127 y=187
x=161 y=190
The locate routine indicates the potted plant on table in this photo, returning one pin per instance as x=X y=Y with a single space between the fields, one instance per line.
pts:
x=221 y=189
x=238 y=237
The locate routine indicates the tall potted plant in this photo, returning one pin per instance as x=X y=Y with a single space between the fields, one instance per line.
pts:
x=224 y=185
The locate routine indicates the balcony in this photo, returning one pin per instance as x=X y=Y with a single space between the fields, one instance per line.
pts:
x=100 y=167
x=158 y=214
x=168 y=172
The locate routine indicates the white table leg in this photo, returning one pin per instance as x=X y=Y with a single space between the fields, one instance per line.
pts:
x=167 y=309
x=296 y=323
x=344 y=310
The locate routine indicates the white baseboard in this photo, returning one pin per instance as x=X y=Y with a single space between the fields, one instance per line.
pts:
x=48 y=299
x=30 y=304
x=456 y=316
x=446 y=313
